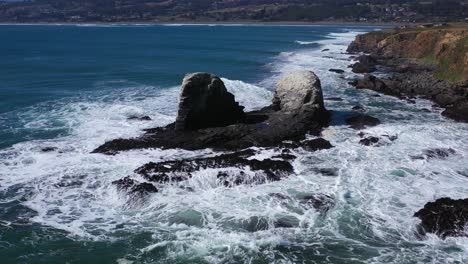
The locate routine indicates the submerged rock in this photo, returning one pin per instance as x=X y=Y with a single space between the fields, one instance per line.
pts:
x=133 y=186
x=362 y=121
x=140 y=118
x=369 y=141
x=49 y=149
x=205 y=102
x=336 y=71
x=435 y=153
x=320 y=202
x=316 y=144
x=297 y=109
x=445 y=217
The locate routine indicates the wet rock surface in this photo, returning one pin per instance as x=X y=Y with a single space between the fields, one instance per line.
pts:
x=297 y=109
x=321 y=202
x=445 y=217
x=362 y=121
x=339 y=71
x=180 y=170
x=435 y=153
x=133 y=187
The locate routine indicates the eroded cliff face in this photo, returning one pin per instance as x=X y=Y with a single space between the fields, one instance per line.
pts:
x=445 y=47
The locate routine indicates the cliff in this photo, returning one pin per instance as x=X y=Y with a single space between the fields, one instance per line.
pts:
x=443 y=47
x=429 y=61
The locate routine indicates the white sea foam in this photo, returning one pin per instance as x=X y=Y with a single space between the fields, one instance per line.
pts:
x=377 y=189
x=305 y=42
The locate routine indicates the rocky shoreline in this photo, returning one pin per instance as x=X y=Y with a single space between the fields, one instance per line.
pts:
x=413 y=59
x=431 y=64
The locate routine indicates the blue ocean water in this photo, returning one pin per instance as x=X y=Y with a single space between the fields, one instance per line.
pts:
x=45 y=63
x=69 y=88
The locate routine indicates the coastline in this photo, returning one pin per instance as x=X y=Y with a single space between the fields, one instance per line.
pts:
x=216 y=23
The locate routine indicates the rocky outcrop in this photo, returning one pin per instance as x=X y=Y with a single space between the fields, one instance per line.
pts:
x=365 y=64
x=297 y=109
x=368 y=43
x=431 y=63
x=371 y=82
x=445 y=217
x=205 y=102
x=362 y=121
x=180 y=170
x=299 y=92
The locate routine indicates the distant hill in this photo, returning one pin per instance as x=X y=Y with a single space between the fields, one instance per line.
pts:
x=233 y=10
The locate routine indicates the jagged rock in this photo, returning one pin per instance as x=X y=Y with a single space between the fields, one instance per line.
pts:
x=359 y=67
x=297 y=109
x=365 y=64
x=316 y=144
x=373 y=83
x=133 y=186
x=180 y=170
x=49 y=149
x=205 y=102
x=445 y=217
x=369 y=141
x=362 y=121
x=435 y=153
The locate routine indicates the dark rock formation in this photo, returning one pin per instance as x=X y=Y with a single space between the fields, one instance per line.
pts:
x=134 y=187
x=358 y=108
x=205 y=102
x=445 y=217
x=297 y=109
x=330 y=172
x=49 y=149
x=336 y=71
x=365 y=64
x=320 y=202
x=180 y=170
x=316 y=144
x=140 y=118
x=371 y=82
x=435 y=153
x=362 y=121
x=369 y=141
x=458 y=111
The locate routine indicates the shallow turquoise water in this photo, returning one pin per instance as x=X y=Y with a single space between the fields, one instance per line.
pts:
x=73 y=87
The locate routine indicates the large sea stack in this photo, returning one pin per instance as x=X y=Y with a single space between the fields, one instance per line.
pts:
x=205 y=102
x=209 y=117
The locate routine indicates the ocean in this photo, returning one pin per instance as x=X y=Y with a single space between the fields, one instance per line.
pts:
x=70 y=88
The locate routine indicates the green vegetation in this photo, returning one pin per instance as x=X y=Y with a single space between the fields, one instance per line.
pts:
x=452 y=67
x=232 y=10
